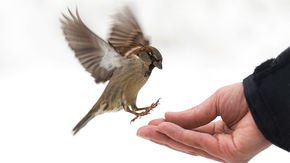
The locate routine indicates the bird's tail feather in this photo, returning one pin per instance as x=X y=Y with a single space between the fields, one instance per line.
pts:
x=82 y=123
x=96 y=110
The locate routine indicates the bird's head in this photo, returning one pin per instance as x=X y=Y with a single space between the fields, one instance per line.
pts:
x=151 y=56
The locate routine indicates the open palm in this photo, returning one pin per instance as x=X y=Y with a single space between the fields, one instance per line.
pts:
x=235 y=138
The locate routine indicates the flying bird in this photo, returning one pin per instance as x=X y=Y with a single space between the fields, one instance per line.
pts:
x=126 y=60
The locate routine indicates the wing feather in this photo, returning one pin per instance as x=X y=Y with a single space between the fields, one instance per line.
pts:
x=96 y=56
x=126 y=32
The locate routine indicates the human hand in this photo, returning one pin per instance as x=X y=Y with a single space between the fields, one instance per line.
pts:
x=235 y=138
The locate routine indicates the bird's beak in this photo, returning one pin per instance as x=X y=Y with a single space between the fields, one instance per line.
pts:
x=158 y=65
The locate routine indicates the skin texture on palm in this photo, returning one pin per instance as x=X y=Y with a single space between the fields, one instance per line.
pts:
x=126 y=60
x=235 y=138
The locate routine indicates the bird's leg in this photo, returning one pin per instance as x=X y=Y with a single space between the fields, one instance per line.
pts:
x=145 y=112
x=137 y=115
x=127 y=109
x=149 y=108
x=131 y=111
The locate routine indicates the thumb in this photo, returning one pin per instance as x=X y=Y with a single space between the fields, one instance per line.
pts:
x=196 y=116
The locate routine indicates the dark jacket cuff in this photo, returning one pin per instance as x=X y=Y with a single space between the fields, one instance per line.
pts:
x=267 y=92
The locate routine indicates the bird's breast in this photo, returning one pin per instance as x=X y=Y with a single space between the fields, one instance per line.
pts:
x=126 y=83
x=134 y=78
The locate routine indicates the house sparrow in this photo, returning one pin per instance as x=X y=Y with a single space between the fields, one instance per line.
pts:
x=126 y=60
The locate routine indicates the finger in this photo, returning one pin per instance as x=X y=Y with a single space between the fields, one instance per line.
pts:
x=156 y=122
x=202 y=141
x=212 y=128
x=208 y=128
x=195 y=117
x=194 y=152
x=151 y=133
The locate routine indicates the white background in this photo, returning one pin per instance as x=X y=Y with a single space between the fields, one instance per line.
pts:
x=44 y=91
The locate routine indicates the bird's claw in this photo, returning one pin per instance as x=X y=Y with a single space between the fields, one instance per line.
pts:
x=139 y=115
x=147 y=110
x=153 y=105
x=134 y=119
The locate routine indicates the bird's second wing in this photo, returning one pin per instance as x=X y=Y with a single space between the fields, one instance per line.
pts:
x=96 y=56
x=126 y=32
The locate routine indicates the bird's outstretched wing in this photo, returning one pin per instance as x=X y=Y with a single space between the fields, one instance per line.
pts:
x=96 y=56
x=126 y=32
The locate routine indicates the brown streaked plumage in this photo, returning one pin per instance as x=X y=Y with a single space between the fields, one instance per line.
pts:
x=126 y=61
x=125 y=36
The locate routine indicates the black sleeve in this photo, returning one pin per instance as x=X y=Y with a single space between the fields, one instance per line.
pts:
x=267 y=92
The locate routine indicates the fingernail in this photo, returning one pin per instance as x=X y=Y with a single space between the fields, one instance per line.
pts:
x=169 y=114
x=139 y=133
x=142 y=136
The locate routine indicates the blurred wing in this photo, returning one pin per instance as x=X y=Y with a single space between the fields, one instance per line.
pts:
x=126 y=32
x=96 y=56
